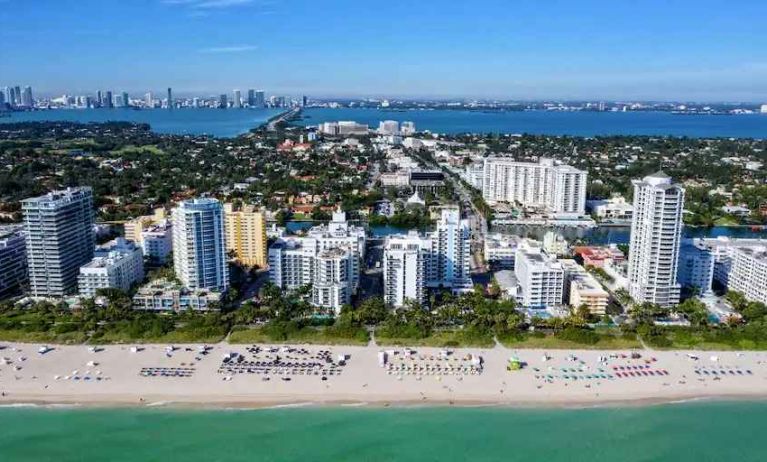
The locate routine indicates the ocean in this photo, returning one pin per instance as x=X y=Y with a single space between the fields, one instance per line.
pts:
x=204 y=121
x=233 y=122
x=687 y=432
x=556 y=123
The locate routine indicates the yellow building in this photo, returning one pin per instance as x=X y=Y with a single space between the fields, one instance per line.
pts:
x=246 y=235
x=134 y=227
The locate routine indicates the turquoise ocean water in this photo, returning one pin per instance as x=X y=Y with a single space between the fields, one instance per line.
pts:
x=691 y=432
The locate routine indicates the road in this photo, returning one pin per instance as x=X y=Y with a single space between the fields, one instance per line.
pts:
x=272 y=125
x=477 y=221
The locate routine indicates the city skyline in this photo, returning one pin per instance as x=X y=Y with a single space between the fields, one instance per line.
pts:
x=596 y=50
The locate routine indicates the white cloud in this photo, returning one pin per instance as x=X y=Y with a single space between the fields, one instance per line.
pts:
x=229 y=49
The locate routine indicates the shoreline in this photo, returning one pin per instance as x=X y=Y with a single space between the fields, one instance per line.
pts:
x=117 y=376
x=172 y=403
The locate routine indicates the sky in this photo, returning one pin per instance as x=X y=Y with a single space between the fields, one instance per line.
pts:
x=681 y=50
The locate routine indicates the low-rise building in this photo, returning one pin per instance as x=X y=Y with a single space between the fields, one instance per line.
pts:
x=157 y=242
x=500 y=250
x=615 y=208
x=582 y=289
x=116 y=265
x=600 y=256
x=163 y=295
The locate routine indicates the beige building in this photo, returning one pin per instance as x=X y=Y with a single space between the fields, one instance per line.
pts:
x=583 y=289
x=134 y=227
x=246 y=235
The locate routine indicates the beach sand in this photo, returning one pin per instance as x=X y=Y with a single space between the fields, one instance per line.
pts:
x=365 y=382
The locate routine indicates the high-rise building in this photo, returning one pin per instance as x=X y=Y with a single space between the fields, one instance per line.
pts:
x=260 y=99
x=560 y=189
x=17 y=92
x=656 y=232
x=541 y=278
x=407 y=128
x=332 y=284
x=452 y=251
x=293 y=260
x=26 y=97
x=237 y=99
x=246 y=235
x=149 y=100
x=60 y=239
x=99 y=98
x=252 y=98
x=304 y=101
x=116 y=265
x=13 y=261
x=199 y=245
x=388 y=127
x=170 y=98
x=126 y=101
x=2 y=97
x=10 y=96
x=108 y=100
x=749 y=273
x=222 y=103
x=696 y=266
x=441 y=259
x=405 y=262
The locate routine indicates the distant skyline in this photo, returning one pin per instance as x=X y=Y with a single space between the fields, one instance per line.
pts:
x=683 y=50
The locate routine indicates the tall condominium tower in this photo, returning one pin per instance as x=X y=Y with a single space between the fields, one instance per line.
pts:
x=333 y=284
x=246 y=235
x=560 y=189
x=60 y=239
x=170 y=98
x=252 y=98
x=260 y=99
x=656 y=231
x=452 y=251
x=237 y=99
x=199 y=245
x=26 y=97
x=404 y=267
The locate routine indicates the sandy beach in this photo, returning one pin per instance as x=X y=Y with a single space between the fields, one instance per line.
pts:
x=119 y=375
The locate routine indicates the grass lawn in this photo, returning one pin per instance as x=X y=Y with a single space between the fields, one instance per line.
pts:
x=146 y=149
x=456 y=338
x=606 y=342
x=726 y=221
x=307 y=335
x=67 y=338
x=681 y=340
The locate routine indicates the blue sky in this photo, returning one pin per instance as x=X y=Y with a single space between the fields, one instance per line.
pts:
x=704 y=50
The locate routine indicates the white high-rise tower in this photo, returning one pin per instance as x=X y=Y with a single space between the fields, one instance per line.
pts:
x=199 y=245
x=60 y=239
x=656 y=232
